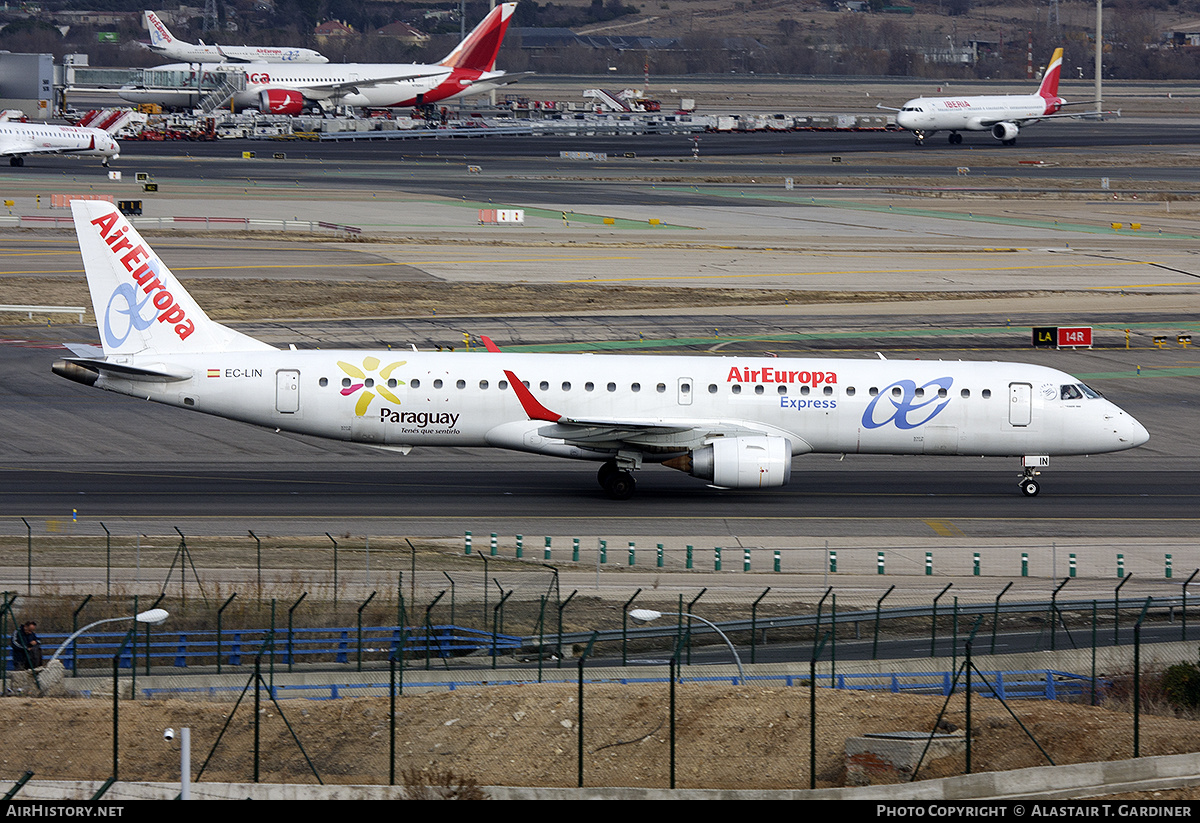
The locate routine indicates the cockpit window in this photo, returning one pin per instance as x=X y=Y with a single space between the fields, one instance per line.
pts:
x=1069 y=392
x=1089 y=392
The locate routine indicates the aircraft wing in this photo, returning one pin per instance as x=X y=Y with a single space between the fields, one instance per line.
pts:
x=341 y=86
x=665 y=434
x=994 y=120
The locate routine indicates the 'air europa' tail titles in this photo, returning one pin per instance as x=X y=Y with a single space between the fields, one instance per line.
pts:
x=140 y=306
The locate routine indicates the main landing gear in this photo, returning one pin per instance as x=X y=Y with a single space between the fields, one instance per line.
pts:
x=16 y=160
x=616 y=482
x=955 y=138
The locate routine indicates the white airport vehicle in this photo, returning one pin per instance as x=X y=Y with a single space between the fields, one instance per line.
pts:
x=736 y=422
x=1004 y=115
x=164 y=43
x=19 y=140
x=289 y=89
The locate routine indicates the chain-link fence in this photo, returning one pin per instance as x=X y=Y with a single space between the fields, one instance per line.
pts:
x=441 y=666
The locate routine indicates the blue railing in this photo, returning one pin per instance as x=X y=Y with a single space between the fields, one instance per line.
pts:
x=236 y=647
x=1020 y=685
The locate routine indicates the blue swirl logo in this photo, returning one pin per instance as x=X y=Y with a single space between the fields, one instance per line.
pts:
x=128 y=310
x=906 y=412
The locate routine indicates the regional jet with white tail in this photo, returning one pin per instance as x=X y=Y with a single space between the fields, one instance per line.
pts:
x=164 y=43
x=20 y=140
x=736 y=422
x=1004 y=115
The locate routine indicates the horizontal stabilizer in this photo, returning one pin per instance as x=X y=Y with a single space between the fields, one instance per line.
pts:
x=86 y=370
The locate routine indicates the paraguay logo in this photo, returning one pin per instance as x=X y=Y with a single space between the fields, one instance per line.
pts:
x=371 y=380
x=909 y=407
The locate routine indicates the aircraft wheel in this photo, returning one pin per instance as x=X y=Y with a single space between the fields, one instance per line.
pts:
x=607 y=470
x=1030 y=488
x=16 y=161
x=621 y=486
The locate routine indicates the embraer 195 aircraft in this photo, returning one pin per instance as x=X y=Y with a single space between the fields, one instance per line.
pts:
x=736 y=422
x=289 y=88
x=164 y=43
x=1004 y=115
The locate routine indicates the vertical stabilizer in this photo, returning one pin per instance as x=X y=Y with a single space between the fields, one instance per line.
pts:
x=478 y=51
x=140 y=306
x=160 y=35
x=1049 y=87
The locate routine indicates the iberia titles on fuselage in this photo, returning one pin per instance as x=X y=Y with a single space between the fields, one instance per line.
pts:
x=734 y=421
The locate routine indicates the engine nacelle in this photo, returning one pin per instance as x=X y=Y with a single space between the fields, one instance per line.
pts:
x=1005 y=131
x=744 y=462
x=281 y=101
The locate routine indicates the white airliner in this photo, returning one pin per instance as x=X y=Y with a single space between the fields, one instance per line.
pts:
x=19 y=140
x=1004 y=115
x=288 y=89
x=736 y=422
x=164 y=43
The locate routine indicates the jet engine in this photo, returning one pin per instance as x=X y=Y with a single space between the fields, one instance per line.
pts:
x=1005 y=131
x=751 y=462
x=281 y=101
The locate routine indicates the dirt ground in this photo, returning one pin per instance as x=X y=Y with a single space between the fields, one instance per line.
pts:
x=728 y=736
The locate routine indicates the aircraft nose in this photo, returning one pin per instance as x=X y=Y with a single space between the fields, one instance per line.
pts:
x=1135 y=433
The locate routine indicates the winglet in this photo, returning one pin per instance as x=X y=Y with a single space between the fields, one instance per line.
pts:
x=533 y=408
x=488 y=344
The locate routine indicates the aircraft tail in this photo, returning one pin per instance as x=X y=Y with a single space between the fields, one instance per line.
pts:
x=1049 y=87
x=140 y=306
x=160 y=35
x=478 y=51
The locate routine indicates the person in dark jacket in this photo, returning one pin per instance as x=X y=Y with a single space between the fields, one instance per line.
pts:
x=26 y=648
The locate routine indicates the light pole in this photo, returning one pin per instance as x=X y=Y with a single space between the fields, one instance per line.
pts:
x=154 y=617
x=647 y=615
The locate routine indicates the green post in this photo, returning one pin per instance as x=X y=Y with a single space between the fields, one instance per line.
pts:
x=1120 y=566
x=575 y=550
x=1168 y=566
x=1024 y=564
x=717 y=559
x=467 y=544
x=603 y=551
x=495 y=545
x=631 y=553
x=976 y=566
x=546 y=551
x=777 y=561
x=745 y=560
x=879 y=563
x=929 y=564
x=689 y=557
x=658 y=561
x=1071 y=565
x=520 y=545
x=833 y=561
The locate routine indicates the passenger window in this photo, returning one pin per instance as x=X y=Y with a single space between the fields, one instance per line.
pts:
x=415 y=383
x=612 y=387
x=782 y=389
x=849 y=391
x=827 y=391
x=502 y=385
x=323 y=382
x=758 y=389
x=589 y=386
x=635 y=387
x=986 y=393
x=804 y=390
x=737 y=389
x=483 y=384
x=660 y=388
x=965 y=393
x=566 y=386
x=437 y=384
x=874 y=391
x=942 y=393
x=544 y=386
x=462 y=384
x=712 y=388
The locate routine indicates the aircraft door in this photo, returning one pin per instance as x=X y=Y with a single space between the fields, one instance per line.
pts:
x=287 y=391
x=1020 y=404
x=684 y=391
